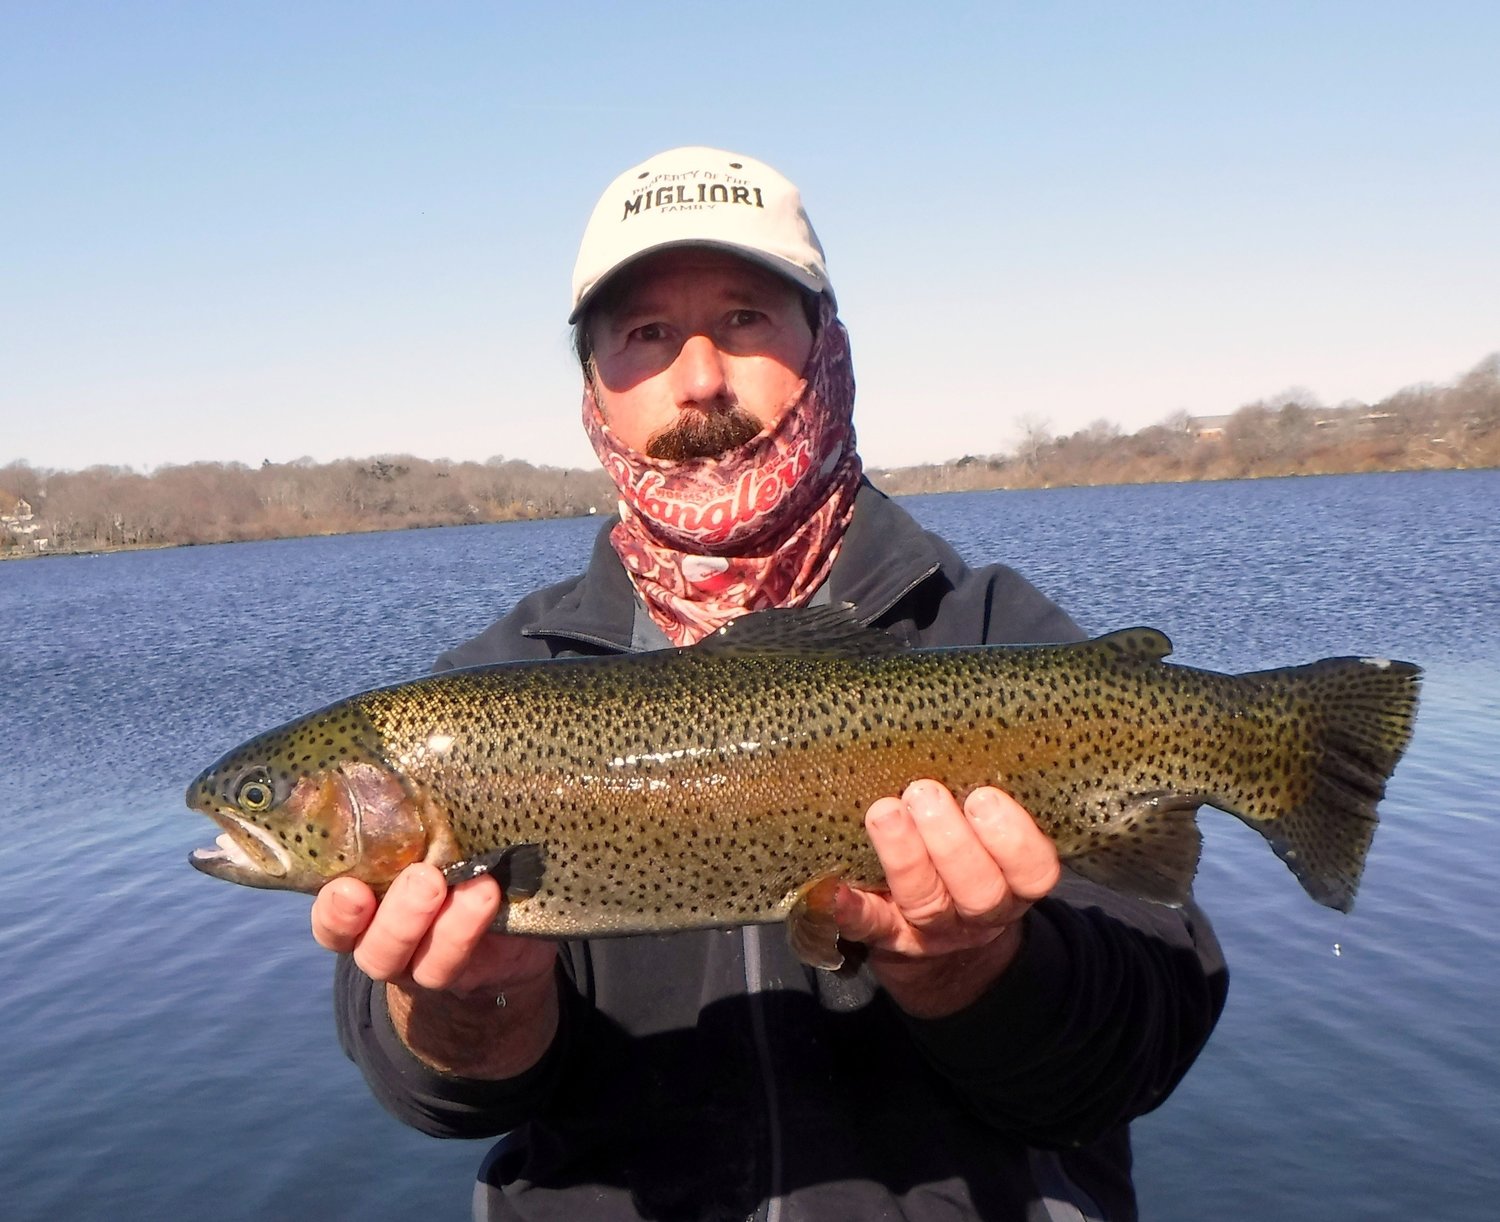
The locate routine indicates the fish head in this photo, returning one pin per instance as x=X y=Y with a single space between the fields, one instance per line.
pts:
x=310 y=801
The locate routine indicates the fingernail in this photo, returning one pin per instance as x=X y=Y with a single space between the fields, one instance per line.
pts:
x=983 y=804
x=422 y=886
x=346 y=907
x=922 y=798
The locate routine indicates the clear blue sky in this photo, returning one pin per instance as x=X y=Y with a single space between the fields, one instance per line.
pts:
x=243 y=231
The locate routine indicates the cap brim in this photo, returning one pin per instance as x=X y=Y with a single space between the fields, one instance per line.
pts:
x=785 y=268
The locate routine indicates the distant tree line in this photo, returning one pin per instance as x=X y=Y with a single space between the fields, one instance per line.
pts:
x=1419 y=427
x=116 y=507
x=103 y=508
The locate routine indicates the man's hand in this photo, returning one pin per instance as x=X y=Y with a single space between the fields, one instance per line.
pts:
x=959 y=881
x=445 y=972
x=424 y=934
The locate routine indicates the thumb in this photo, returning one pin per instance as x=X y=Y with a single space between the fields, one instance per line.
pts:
x=864 y=916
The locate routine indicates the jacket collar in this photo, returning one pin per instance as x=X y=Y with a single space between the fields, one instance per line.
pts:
x=600 y=608
x=885 y=556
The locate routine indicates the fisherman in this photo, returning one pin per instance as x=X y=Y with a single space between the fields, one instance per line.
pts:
x=998 y=1026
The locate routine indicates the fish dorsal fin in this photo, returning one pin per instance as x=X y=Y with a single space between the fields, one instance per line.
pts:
x=829 y=631
x=1134 y=644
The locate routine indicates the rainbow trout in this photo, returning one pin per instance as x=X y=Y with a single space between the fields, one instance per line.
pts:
x=726 y=784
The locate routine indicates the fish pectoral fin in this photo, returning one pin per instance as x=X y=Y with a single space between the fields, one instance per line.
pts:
x=811 y=927
x=518 y=868
x=1150 y=849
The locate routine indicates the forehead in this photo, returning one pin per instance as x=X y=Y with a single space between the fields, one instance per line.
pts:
x=669 y=275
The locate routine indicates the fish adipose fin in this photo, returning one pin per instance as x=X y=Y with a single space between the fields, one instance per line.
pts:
x=518 y=868
x=1361 y=712
x=1150 y=849
x=830 y=631
x=811 y=926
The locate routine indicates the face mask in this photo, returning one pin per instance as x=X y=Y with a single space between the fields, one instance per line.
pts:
x=707 y=539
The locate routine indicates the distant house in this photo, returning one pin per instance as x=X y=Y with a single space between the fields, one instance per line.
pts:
x=21 y=523
x=1208 y=426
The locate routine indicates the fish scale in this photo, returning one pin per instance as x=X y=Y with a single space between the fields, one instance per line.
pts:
x=721 y=784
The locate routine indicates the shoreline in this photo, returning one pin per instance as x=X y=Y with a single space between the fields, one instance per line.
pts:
x=913 y=474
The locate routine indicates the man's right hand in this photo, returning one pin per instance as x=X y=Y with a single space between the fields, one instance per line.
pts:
x=445 y=971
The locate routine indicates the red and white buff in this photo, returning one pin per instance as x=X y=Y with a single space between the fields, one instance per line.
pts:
x=708 y=539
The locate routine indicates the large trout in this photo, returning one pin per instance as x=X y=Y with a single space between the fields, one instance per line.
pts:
x=726 y=784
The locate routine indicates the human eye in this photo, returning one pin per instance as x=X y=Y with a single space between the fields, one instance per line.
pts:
x=648 y=333
x=746 y=317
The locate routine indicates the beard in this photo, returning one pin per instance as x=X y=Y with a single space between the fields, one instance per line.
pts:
x=704 y=434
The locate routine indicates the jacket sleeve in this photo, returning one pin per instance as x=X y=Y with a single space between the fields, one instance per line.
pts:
x=1103 y=1011
x=435 y=1103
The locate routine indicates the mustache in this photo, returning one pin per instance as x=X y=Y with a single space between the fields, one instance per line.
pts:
x=704 y=435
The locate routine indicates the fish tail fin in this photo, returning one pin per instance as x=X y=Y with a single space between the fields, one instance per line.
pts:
x=1318 y=814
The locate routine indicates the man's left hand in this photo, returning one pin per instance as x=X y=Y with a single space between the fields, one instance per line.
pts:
x=958 y=882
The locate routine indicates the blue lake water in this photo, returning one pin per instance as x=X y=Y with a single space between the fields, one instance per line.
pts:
x=168 y=1049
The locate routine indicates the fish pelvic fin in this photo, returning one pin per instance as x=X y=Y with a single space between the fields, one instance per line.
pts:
x=1148 y=848
x=518 y=868
x=811 y=926
x=1361 y=712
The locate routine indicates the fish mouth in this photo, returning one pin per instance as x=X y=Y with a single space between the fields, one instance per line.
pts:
x=243 y=853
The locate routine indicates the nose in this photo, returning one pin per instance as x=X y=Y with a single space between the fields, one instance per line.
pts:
x=699 y=376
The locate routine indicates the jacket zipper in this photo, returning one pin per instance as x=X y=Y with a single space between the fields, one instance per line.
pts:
x=755 y=985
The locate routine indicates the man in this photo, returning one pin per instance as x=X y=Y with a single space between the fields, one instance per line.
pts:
x=1004 y=1026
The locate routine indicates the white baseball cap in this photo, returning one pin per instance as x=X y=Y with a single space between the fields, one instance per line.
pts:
x=699 y=197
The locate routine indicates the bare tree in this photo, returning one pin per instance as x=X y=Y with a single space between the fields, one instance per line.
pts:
x=1036 y=436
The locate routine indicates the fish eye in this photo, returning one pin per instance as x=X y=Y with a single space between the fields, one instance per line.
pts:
x=254 y=793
